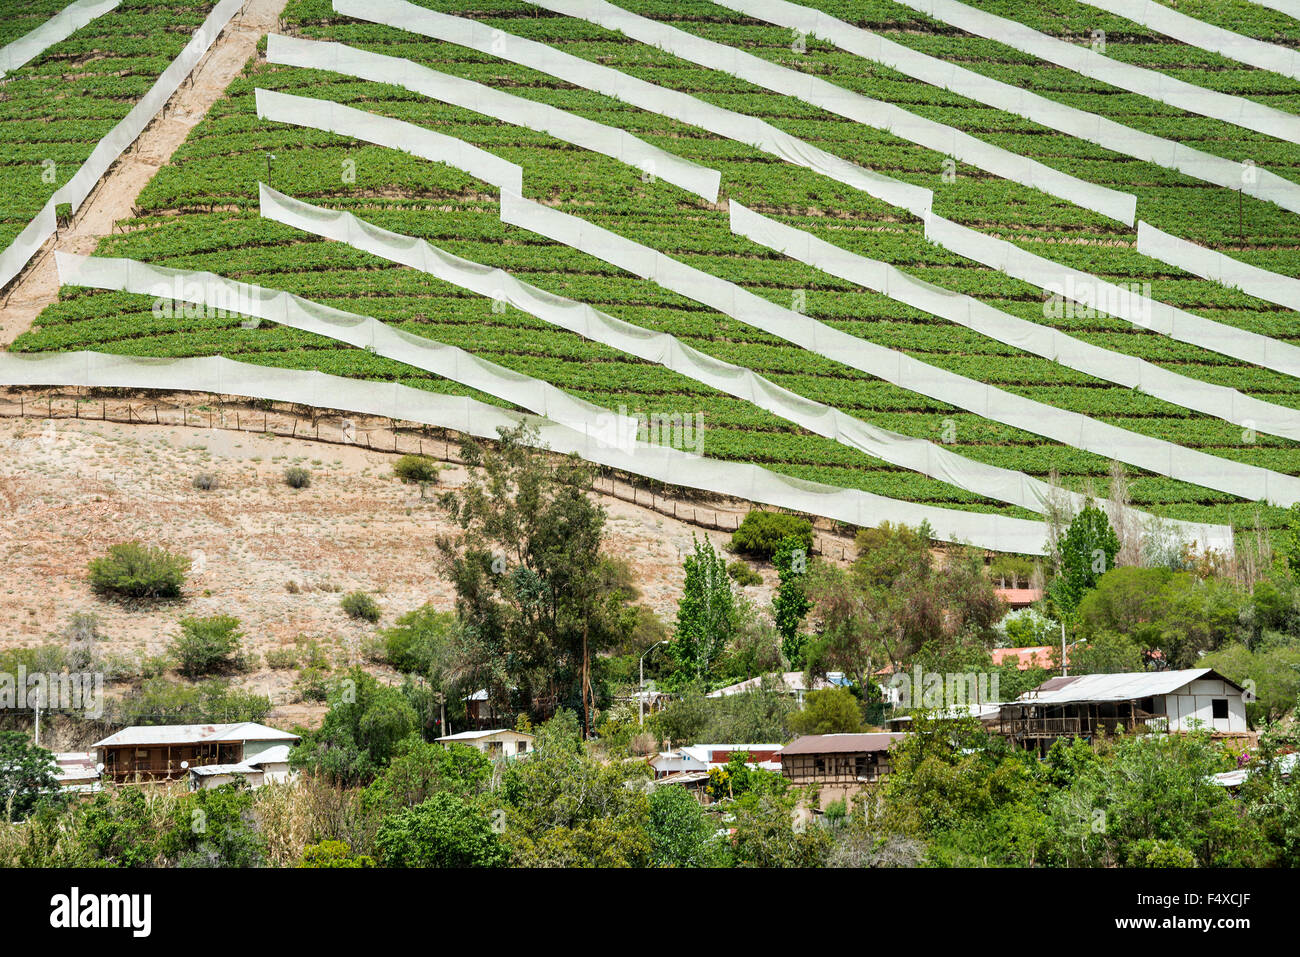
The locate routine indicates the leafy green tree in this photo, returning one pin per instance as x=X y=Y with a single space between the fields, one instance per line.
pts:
x=1086 y=551
x=1290 y=547
x=768 y=833
x=707 y=616
x=421 y=641
x=971 y=799
x=790 y=602
x=117 y=829
x=214 y=828
x=893 y=601
x=1106 y=653
x=828 y=711
x=566 y=809
x=538 y=601
x=360 y=733
x=1149 y=801
x=207 y=646
x=419 y=770
x=1177 y=614
x=26 y=776
x=682 y=833
x=444 y=831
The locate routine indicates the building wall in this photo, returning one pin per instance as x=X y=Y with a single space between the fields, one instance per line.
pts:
x=504 y=743
x=1195 y=702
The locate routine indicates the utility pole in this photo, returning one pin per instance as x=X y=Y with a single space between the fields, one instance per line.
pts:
x=641 y=686
x=1065 y=669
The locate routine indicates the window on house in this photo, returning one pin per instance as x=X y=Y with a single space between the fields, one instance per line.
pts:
x=523 y=747
x=1219 y=709
x=821 y=765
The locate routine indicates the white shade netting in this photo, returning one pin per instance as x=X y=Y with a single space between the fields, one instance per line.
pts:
x=1215 y=266
x=848 y=104
x=223 y=376
x=1041 y=340
x=1198 y=33
x=54 y=30
x=1021 y=102
x=608 y=140
x=1236 y=110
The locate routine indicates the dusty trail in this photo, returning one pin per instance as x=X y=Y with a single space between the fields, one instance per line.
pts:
x=114 y=197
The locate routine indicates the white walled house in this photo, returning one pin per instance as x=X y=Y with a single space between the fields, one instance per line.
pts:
x=1086 y=705
x=497 y=743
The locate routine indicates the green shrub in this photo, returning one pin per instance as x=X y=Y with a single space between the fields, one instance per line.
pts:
x=761 y=532
x=206 y=482
x=207 y=645
x=416 y=469
x=133 y=570
x=360 y=605
x=742 y=574
x=297 y=477
x=281 y=658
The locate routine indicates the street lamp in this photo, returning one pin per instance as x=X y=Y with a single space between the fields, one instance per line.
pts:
x=641 y=696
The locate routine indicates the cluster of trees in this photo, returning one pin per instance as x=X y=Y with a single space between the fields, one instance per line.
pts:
x=1133 y=801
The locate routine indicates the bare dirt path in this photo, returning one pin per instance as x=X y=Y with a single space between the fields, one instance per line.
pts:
x=116 y=194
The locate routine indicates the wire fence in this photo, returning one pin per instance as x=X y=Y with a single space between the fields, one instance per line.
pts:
x=392 y=438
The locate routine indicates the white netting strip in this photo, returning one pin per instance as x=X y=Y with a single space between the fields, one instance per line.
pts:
x=385 y=131
x=1021 y=102
x=1256 y=53
x=1290 y=7
x=54 y=30
x=1208 y=264
x=1129 y=303
x=749 y=482
x=854 y=106
x=1041 y=340
x=1080 y=59
x=115 y=142
x=609 y=140
x=639 y=93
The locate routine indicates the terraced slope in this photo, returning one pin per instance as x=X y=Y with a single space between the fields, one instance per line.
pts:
x=55 y=109
x=201 y=212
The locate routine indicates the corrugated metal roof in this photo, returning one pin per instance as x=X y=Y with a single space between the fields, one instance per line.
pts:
x=1117 y=687
x=842 y=743
x=210 y=769
x=144 y=735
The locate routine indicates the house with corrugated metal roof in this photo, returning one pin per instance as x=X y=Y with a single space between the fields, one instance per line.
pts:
x=170 y=751
x=1089 y=705
x=840 y=764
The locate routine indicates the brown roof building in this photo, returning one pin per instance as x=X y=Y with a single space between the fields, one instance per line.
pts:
x=841 y=764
